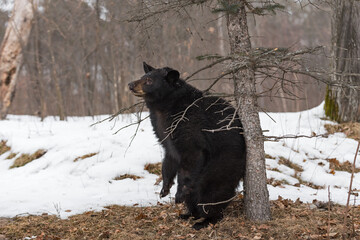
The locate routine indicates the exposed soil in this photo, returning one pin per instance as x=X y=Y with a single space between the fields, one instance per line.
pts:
x=291 y=220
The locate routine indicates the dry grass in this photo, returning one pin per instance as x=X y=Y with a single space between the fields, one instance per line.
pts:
x=124 y=176
x=275 y=170
x=352 y=130
x=26 y=158
x=277 y=183
x=297 y=175
x=84 y=156
x=154 y=168
x=335 y=165
x=11 y=156
x=291 y=220
x=269 y=156
x=3 y=147
x=306 y=183
x=290 y=164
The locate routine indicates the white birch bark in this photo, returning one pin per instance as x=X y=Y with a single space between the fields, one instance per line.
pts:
x=15 y=39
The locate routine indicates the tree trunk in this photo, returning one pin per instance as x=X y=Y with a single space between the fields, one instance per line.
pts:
x=257 y=206
x=59 y=97
x=39 y=86
x=342 y=103
x=221 y=35
x=15 y=38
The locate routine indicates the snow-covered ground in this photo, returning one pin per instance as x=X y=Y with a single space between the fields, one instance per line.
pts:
x=55 y=184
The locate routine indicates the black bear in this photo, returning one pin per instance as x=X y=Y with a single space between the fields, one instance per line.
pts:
x=203 y=141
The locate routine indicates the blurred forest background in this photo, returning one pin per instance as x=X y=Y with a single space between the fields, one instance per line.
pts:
x=86 y=52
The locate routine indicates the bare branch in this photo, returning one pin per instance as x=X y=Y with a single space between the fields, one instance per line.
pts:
x=155 y=8
x=208 y=66
x=179 y=117
x=216 y=203
x=276 y=138
x=121 y=111
x=132 y=124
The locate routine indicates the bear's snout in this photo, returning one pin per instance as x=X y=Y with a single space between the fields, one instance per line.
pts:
x=136 y=88
x=131 y=86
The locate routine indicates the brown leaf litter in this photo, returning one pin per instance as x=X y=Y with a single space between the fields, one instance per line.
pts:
x=352 y=130
x=290 y=220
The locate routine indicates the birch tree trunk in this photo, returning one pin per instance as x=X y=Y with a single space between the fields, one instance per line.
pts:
x=257 y=206
x=15 y=39
x=342 y=103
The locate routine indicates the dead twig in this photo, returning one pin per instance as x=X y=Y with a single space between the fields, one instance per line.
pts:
x=329 y=208
x=157 y=8
x=110 y=118
x=208 y=66
x=217 y=80
x=344 y=235
x=275 y=138
x=179 y=117
x=216 y=203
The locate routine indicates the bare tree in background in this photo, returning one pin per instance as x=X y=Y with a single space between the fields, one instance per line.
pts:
x=342 y=102
x=94 y=50
x=38 y=70
x=16 y=37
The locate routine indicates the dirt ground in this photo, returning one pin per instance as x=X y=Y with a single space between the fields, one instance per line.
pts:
x=290 y=220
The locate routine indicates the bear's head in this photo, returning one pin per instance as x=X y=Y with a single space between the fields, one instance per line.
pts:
x=156 y=83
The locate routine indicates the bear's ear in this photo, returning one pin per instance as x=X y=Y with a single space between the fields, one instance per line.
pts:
x=173 y=76
x=147 y=68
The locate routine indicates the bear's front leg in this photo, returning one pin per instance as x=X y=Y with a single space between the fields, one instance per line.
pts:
x=169 y=171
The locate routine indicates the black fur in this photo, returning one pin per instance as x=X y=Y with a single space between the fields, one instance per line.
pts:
x=209 y=164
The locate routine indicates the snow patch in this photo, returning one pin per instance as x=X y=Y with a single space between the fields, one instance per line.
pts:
x=55 y=184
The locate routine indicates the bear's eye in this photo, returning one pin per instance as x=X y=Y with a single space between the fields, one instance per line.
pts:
x=148 y=81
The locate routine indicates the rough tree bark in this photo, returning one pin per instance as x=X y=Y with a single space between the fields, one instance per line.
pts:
x=257 y=206
x=342 y=103
x=16 y=37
